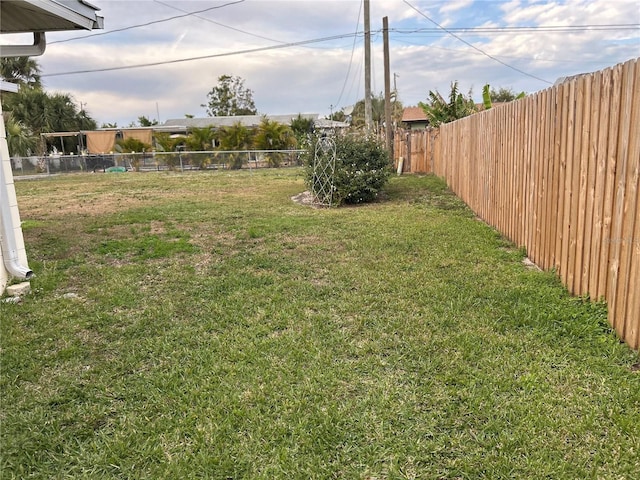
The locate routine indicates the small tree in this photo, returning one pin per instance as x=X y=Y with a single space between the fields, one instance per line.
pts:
x=233 y=138
x=439 y=110
x=143 y=121
x=230 y=98
x=132 y=145
x=301 y=127
x=338 y=116
x=200 y=140
x=503 y=95
x=274 y=136
x=377 y=111
x=163 y=142
x=19 y=139
x=20 y=70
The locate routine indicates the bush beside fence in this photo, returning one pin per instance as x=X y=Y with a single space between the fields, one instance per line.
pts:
x=558 y=173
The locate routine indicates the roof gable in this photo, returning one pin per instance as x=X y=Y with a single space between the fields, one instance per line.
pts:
x=414 y=114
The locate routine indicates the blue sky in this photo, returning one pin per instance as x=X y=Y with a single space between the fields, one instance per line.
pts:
x=321 y=75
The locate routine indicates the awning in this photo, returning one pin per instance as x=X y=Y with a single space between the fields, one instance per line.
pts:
x=145 y=135
x=101 y=141
x=60 y=134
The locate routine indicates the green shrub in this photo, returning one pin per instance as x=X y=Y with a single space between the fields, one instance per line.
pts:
x=362 y=168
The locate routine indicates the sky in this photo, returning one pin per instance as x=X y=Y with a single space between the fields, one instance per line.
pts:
x=303 y=56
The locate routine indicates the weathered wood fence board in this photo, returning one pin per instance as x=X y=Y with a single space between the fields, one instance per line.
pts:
x=557 y=172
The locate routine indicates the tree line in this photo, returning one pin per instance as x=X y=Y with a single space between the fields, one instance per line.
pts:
x=33 y=111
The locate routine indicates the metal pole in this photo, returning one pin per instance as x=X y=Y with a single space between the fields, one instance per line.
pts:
x=387 y=87
x=367 y=67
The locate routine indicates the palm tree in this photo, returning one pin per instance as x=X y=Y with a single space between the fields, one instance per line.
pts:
x=61 y=113
x=40 y=113
x=233 y=138
x=19 y=139
x=21 y=70
x=377 y=111
x=199 y=139
x=274 y=136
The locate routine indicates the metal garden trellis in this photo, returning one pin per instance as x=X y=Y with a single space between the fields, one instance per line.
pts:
x=324 y=167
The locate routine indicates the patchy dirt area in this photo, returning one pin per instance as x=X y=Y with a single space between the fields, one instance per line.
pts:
x=305 y=198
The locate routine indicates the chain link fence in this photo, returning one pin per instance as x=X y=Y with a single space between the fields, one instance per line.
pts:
x=155 y=161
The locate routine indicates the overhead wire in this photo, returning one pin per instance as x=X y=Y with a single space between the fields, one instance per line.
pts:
x=196 y=14
x=356 y=34
x=524 y=29
x=353 y=48
x=466 y=52
x=153 y=22
x=202 y=57
x=476 y=48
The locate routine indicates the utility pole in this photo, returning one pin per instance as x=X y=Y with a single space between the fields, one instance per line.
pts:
x=388 y=127
x=367 y=67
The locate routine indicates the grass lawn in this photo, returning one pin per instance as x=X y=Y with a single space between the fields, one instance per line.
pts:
x=203 y=325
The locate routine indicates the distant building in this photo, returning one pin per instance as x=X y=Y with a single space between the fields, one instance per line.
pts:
x=182 y=125
x=103 y=140
x=415 y=118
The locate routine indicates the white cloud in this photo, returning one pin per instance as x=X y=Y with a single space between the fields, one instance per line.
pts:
x=311 y=78
x=455 y=5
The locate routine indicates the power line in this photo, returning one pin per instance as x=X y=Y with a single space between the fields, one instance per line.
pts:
x=229 y=27
x=476 y=48
x=195 y=14
x=203 y=57
x=353 y=48
x=466 y=52
x=523 y=29
x=131 y=27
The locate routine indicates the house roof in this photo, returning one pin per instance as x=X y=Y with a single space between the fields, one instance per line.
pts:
x=245 y=120
x=326 y=123
x=21 y=16
x=414 y=114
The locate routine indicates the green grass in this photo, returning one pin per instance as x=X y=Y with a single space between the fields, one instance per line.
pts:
x=219 y=330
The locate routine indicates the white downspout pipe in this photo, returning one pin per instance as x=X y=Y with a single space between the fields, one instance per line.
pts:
x=13 y=255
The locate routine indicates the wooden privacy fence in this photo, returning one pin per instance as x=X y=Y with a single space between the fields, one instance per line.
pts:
x=558 y=173
x=416 y=148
